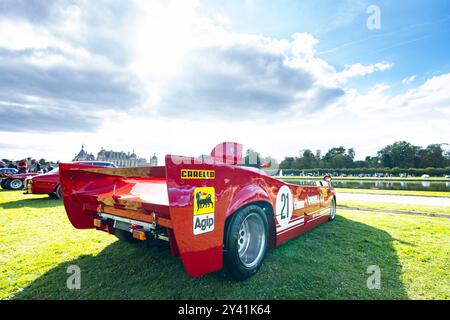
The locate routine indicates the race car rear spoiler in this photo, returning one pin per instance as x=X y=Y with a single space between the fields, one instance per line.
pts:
x=181 y=199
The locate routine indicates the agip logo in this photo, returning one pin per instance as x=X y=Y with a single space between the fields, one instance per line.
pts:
x=204 y=205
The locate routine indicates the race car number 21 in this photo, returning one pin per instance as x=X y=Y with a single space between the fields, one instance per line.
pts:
x=284 y=206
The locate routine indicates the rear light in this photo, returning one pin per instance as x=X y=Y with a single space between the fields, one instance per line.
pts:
x=139 y=234
x=98 y=222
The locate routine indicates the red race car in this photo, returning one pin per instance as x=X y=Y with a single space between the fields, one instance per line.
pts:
x=48 y=183
x=13 y=181
x=215 y=213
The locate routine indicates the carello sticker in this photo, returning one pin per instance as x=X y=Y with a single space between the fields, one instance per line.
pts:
x=204 y=205
x=197 y=174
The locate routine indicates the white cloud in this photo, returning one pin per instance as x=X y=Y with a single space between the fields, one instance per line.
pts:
x=360 y=70
x=408 y=80
x=203 y=85
x=20 y=35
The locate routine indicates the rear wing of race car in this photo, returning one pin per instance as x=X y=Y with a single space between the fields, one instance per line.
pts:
x=186 y=202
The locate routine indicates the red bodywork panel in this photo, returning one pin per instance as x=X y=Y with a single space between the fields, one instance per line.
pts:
x=21 y=176
x=169 y=196
x=44 y=183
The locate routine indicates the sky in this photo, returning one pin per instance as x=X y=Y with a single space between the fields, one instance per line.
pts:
x=178 y=77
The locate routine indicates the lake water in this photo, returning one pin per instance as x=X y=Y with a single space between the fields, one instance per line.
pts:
x=384 y=185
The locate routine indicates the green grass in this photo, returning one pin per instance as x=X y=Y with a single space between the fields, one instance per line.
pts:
x=330 y=262
x=395 y=206
x=396 y=192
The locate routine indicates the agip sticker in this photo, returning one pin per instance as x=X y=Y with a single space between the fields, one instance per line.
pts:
x=204 y=205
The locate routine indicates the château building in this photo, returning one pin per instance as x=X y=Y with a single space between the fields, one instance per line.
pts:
x=121 y=159
x=83 y=155
x=153 y=161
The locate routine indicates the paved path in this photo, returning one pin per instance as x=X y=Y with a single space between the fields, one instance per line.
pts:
x=412 y=213
x=429 y=201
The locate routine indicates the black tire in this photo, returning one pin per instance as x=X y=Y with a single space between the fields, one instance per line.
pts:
x=125 y=236
x=244 y=253
x=3 y=184
x=14 y=184
x=332 y=210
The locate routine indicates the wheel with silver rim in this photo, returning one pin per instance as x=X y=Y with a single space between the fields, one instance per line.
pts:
x=15 y=184
x=246 y=242
x=333 y=210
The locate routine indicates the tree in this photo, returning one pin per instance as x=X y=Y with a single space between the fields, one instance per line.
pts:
x=308 y=160
x=339 y=158
x=351 y=153
x=373 y=162
x=287 y=163
x=401 y=154
x=431 y=156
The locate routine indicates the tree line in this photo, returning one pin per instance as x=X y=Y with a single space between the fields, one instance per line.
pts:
x=398 y=156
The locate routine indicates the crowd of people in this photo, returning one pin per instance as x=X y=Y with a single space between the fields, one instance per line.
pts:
x=28 y=165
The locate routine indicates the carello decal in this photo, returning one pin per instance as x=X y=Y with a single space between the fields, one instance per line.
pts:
x=197 y=174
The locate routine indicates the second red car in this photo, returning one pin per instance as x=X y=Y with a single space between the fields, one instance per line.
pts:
x=48 y=183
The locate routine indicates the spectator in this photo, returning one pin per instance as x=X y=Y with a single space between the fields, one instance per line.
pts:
x=22 y=166
x=49 y=167
x=35 y=166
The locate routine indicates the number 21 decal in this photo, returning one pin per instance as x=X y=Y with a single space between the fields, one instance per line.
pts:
x=284 y=206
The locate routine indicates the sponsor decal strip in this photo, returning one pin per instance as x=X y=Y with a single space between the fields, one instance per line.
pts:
x=292 y=223
x=204 y=205
x=197 y=174
x=300 y=221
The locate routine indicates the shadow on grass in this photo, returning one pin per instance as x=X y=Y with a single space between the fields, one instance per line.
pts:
x=329 y=262
x=44 y=202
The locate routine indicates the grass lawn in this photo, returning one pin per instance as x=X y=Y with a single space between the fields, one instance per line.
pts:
x=396 y=192
x=330 y=262
x=395 y=206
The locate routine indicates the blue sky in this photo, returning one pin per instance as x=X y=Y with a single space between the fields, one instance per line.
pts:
x=415 y=34
x=181 y=76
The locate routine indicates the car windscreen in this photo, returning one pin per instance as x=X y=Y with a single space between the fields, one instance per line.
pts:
x=53 y=171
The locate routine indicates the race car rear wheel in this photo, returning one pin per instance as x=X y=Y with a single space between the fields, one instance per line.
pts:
x=246 y=242
x=15 y=184
x=333 y=210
